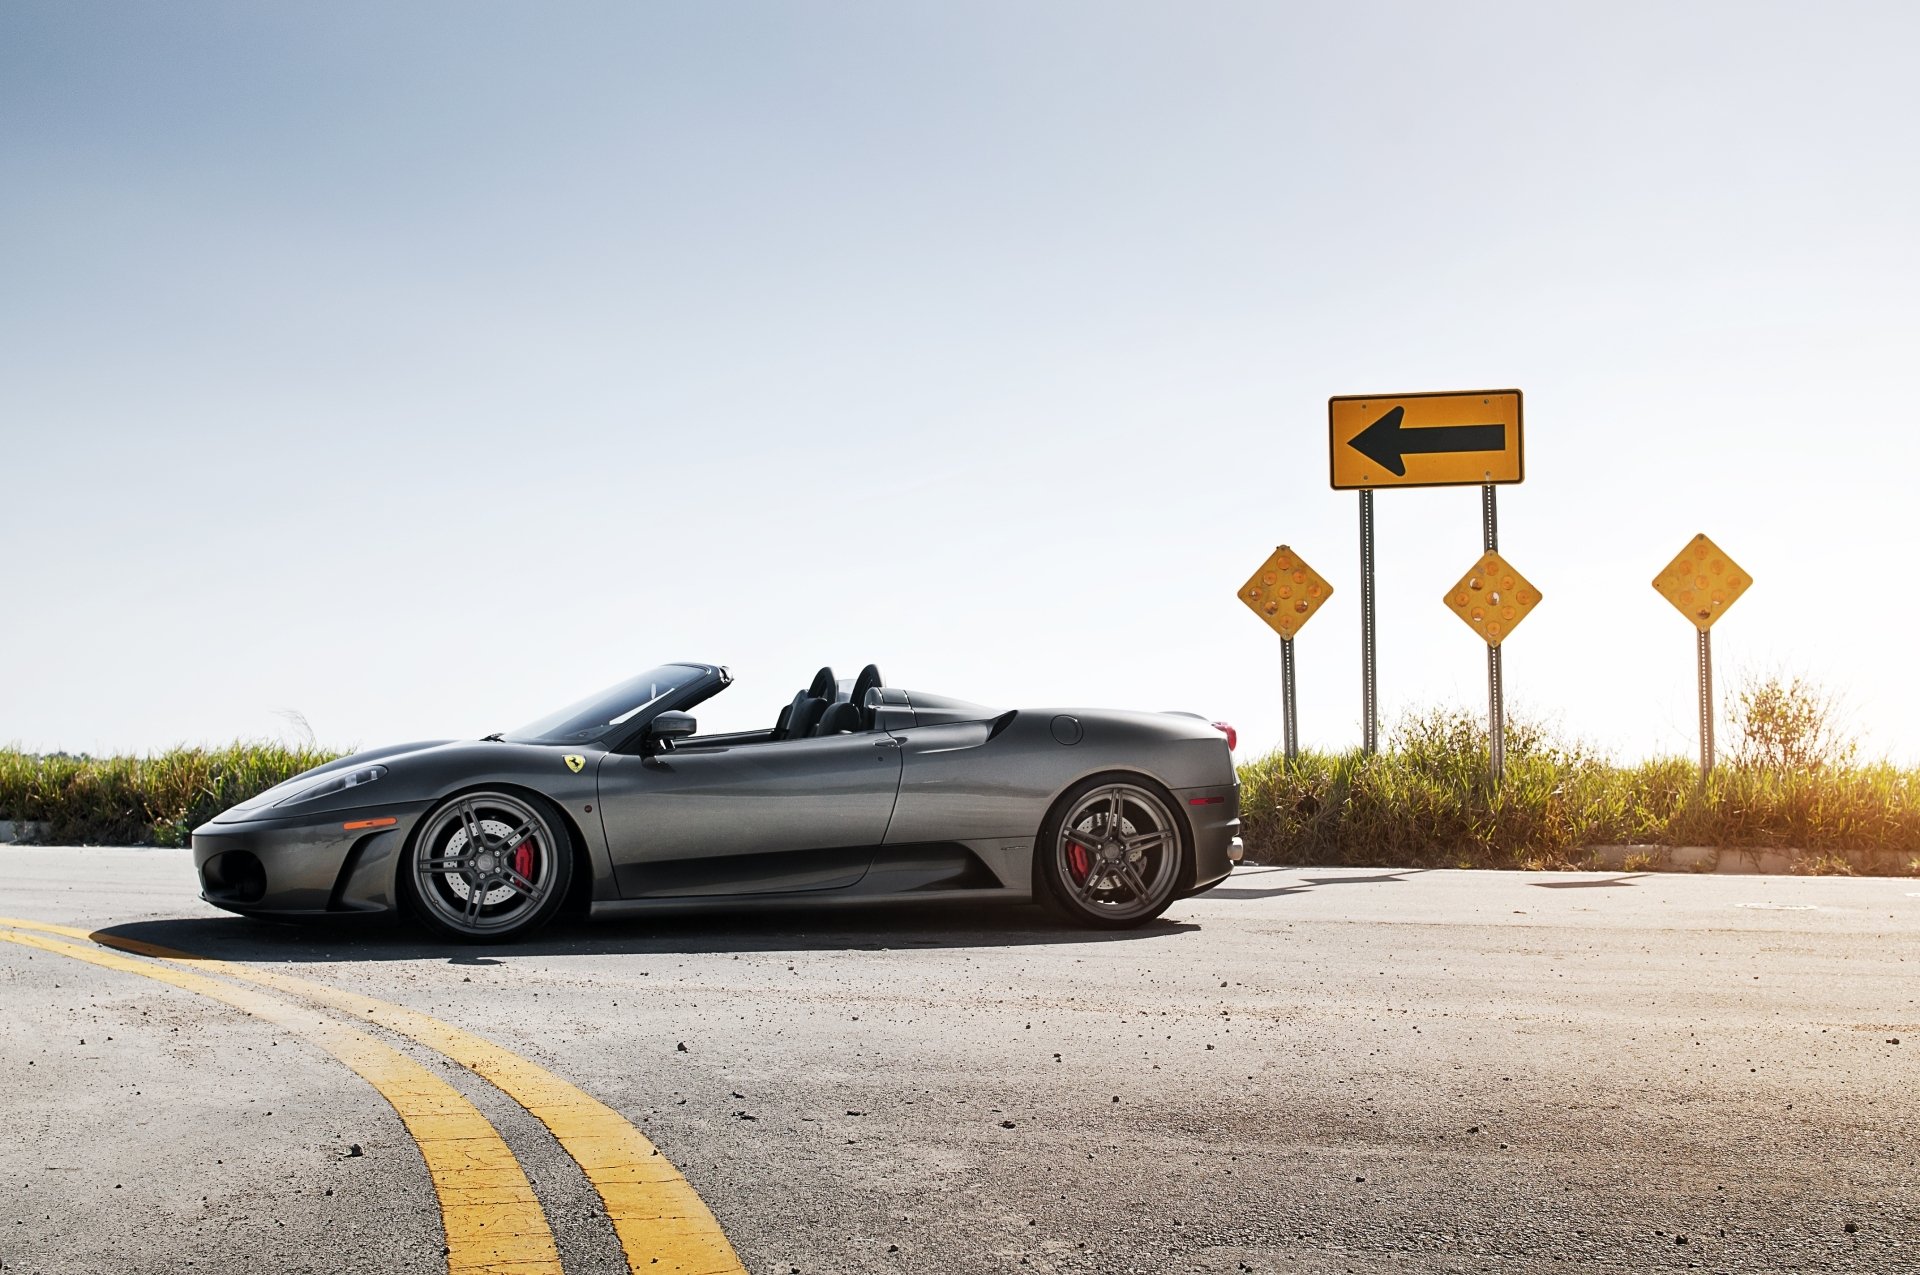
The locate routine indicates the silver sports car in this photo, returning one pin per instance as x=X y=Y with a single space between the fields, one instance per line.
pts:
x=858 y=791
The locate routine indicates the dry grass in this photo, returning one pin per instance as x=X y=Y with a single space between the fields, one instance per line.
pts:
x=156 y=800
x=1426 y=801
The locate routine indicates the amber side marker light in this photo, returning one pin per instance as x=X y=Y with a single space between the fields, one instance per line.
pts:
x=358 y=824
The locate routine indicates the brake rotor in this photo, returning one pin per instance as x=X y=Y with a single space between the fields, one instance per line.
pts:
x=495 y=831
x=1079 y=862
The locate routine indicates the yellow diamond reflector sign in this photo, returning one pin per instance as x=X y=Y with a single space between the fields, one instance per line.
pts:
x=1285 y=592
x=1492 y=598
x=1702 y=582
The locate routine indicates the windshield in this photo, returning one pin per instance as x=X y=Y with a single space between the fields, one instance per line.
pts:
x=609 y=711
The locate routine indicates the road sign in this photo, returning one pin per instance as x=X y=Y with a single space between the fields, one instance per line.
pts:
x=1285 y=592
x=1702 y=582
x=1425 y=440
x=1492 y=598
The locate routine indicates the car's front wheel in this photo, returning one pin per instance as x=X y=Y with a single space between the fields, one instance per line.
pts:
x=1112 y=853
x=488 y=867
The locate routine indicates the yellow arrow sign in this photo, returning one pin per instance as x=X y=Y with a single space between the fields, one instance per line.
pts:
x=1702 y=582
x=1285 y=592
x=1492 y=598
x=1425 y=440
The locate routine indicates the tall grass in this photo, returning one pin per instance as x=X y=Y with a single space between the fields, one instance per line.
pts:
x=155 y=800
x=1427 y=802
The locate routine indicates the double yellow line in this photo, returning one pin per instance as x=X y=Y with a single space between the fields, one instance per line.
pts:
x=493 y=1221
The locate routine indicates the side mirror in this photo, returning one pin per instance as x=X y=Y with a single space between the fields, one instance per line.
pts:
x=667 y=727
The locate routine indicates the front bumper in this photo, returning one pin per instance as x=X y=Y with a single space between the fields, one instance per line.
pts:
x=305 y=867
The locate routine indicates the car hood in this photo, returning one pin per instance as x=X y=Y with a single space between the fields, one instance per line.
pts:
x=257 y=807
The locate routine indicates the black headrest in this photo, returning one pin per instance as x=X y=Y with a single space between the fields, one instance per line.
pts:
x=864 y=686
x=822 y=686
x=806 y=714
x=841 y=719
x=783 y=725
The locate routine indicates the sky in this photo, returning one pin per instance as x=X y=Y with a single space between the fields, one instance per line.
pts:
x=420 y=368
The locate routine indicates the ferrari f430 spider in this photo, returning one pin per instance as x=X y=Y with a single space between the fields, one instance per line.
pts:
x=858 y=791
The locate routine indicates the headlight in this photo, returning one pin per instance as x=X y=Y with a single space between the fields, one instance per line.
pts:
x=335 y=783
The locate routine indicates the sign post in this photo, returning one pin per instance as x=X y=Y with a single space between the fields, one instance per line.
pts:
x=1473 y=438
x=1492 y=598
x=1706 y=704
x=1496 y=693
x=1701 y=583
x=1289 y=719
x=1369 y=687
x=1285 y=592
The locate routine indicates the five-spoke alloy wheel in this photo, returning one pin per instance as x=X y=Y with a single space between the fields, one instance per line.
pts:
x=489 y=867
x=1112 y=853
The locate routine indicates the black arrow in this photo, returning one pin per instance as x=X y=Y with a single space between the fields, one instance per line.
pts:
x=1384 y=442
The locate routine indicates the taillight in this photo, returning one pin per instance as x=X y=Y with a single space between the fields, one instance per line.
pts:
x=1233 y=736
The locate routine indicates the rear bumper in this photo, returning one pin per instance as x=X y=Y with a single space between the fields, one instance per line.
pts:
x=1214 y=815
x=303 y=868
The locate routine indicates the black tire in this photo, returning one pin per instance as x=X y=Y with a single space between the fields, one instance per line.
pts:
x=1113 y=853
x=512 y=885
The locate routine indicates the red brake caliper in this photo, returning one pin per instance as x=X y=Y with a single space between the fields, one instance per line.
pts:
x=523 y=860
x=1078 y=861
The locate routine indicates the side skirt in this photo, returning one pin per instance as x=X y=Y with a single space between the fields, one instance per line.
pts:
x=934 y=871
x=789 y=902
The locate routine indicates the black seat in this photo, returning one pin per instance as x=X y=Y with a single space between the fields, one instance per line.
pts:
x=868 y=680
x=821 y=688
x=807 y=712
x=841 y=719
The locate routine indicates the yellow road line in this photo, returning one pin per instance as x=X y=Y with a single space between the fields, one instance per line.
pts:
x=493 y=1221
x=663 y=1225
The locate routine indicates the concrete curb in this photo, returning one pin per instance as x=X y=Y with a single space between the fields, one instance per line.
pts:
x=1718 y=860
x=1729 y=860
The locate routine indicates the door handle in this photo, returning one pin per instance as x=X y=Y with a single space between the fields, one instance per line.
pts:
x=886 y=743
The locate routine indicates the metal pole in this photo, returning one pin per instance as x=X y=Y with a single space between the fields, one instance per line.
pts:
x=1369 y=692
x=1706 y=706
x=1496 y=718
x=1496 y=690
x=1290 y=723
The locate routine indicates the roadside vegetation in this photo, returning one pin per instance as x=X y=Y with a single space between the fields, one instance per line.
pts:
x=156 y=800
x=1790 y=780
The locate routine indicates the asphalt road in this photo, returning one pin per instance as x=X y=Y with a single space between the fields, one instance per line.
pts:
x=1317 y=1070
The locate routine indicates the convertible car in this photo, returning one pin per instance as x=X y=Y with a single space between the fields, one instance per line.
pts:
x=858 y=791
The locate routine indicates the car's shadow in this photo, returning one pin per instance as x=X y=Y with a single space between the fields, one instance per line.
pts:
x=1299 y=885
x=873 y=930
x=1608 y=883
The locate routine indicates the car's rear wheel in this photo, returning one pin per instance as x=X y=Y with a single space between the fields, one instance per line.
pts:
x=489 y=867
x=1112 y=853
